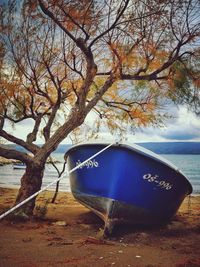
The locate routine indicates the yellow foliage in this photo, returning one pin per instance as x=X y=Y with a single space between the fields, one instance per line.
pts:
x=143 y=114
x=132 y=58
x=52 y=92
x=77 y=13
x=160 y=57
x=150 y=107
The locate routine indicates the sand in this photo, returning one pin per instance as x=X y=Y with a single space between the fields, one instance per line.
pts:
x=70 y=235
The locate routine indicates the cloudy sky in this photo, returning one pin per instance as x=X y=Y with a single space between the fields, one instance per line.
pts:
x=184 y=127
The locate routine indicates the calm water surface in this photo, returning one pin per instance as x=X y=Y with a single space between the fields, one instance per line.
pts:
x=188 y=164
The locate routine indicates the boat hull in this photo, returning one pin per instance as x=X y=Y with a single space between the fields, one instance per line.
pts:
x=123 y=185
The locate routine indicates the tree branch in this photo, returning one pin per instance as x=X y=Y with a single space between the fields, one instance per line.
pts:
x=120 y=13
x=148 y=77
x=2 y=120
x=14 y=154
x=110 y=80
x=75 y=23
x=31 y=137
x=30 y=147
x=51 y=15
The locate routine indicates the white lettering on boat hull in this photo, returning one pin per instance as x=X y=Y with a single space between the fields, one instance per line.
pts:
x=155 y=179
x=89 y=164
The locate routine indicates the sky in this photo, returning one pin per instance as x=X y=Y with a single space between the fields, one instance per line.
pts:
x=183 y=127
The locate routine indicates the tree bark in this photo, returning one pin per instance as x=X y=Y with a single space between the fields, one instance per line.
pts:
x=31 y=182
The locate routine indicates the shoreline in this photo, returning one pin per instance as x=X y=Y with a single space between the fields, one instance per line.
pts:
x=70 y=235
x=5 y=161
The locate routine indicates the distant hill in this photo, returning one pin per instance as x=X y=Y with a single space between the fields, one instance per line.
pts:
x=173 y=147
x=160 y=147
x=157 y=147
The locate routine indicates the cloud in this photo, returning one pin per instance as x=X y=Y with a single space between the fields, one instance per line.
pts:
x=185 y=126
x=181 y=134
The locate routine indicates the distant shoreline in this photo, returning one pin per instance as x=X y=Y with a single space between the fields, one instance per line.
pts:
x=191 y=148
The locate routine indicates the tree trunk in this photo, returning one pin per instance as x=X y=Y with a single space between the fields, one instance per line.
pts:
x=31 y=182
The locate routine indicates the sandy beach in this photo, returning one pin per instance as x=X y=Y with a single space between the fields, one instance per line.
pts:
x=70 y=235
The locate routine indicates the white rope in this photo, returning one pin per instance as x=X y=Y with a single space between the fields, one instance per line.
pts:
x=53 y=182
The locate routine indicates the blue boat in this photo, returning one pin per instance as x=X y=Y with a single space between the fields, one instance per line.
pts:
x=126 y=184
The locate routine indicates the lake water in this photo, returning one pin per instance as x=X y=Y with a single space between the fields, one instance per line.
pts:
x=188 y=164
